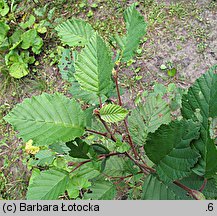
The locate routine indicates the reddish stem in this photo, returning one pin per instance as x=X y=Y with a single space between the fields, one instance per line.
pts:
x=100 y=102
x=203 y=185
x=150 y=169
x=107 y=128
x=189 y=190
x=97 y=132
x=100 y=157
x=117 y=87
x=130 y=140
x=125 y=121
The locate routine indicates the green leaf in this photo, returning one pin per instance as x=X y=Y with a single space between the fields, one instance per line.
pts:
x=59 y=147
x=163 y=67
x=75 y=185
x=48 y=118
x=89 y=116
x=147 y=118
x=35 y=172
x=119 y=166
x=100 y=149
x=28 y=23
x=66 y=65
x=86 y=96
x=113 y=113
x=78 y=148
x=202 y=97
x=169 y=148
x=4 y=28
x=4 y=8
x=101 y=190
x=172 y=72
x=137 y=127
x=136 y=29
x=75 y=32
x=103 y=164
x=154 y=189
x=88 y=170
x=94 y=67
x=16 y=36
x=48 y=185
x=155 y=112
x=195 y=182
x=30 y=38
x=45 y=157
x=122 y=146
x=18 y=70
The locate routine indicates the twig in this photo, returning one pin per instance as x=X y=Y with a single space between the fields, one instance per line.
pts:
x=189 y=190
x=100 y=102
x=123 y=177
x=125 y=121
x=100 y=157
x=106 y=127
x=203 y=185
x=150 y=169
x=117 y=88
x=130 y=140
x=141 y=166
x=97 y=132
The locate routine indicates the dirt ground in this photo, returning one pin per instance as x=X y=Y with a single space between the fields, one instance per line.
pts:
x=181 y=34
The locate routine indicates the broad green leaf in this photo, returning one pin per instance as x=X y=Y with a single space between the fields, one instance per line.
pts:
x=13 y=57
x=113 y=113
x=136 y=29
x=86 y=96
x=30 y=38
x=4 y=28
x=78 y=148
x=89 y=116
x=35 y=172
x=45 y=157
x=119 y=166
x=154 y=189
x=75 y=185
x=169 y=148
x=18 y=70
x=61 y=162
x=47 y=118
x=101 y=190
x=94 y=67
x=27 y=38
x=15 y=38
x=4 y=8
x=48 y=185
x=147 y=118
x=122 y=146
x=59 y=147
x=100 y=149
x=195 y=182
x=75 y=32
x=201 y=97
x=155 y=112
x=88 y=170
x=66 y=65
x=28 y=23
x=137 y=127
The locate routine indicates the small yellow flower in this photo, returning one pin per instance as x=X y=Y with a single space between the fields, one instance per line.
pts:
x=31 y=149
